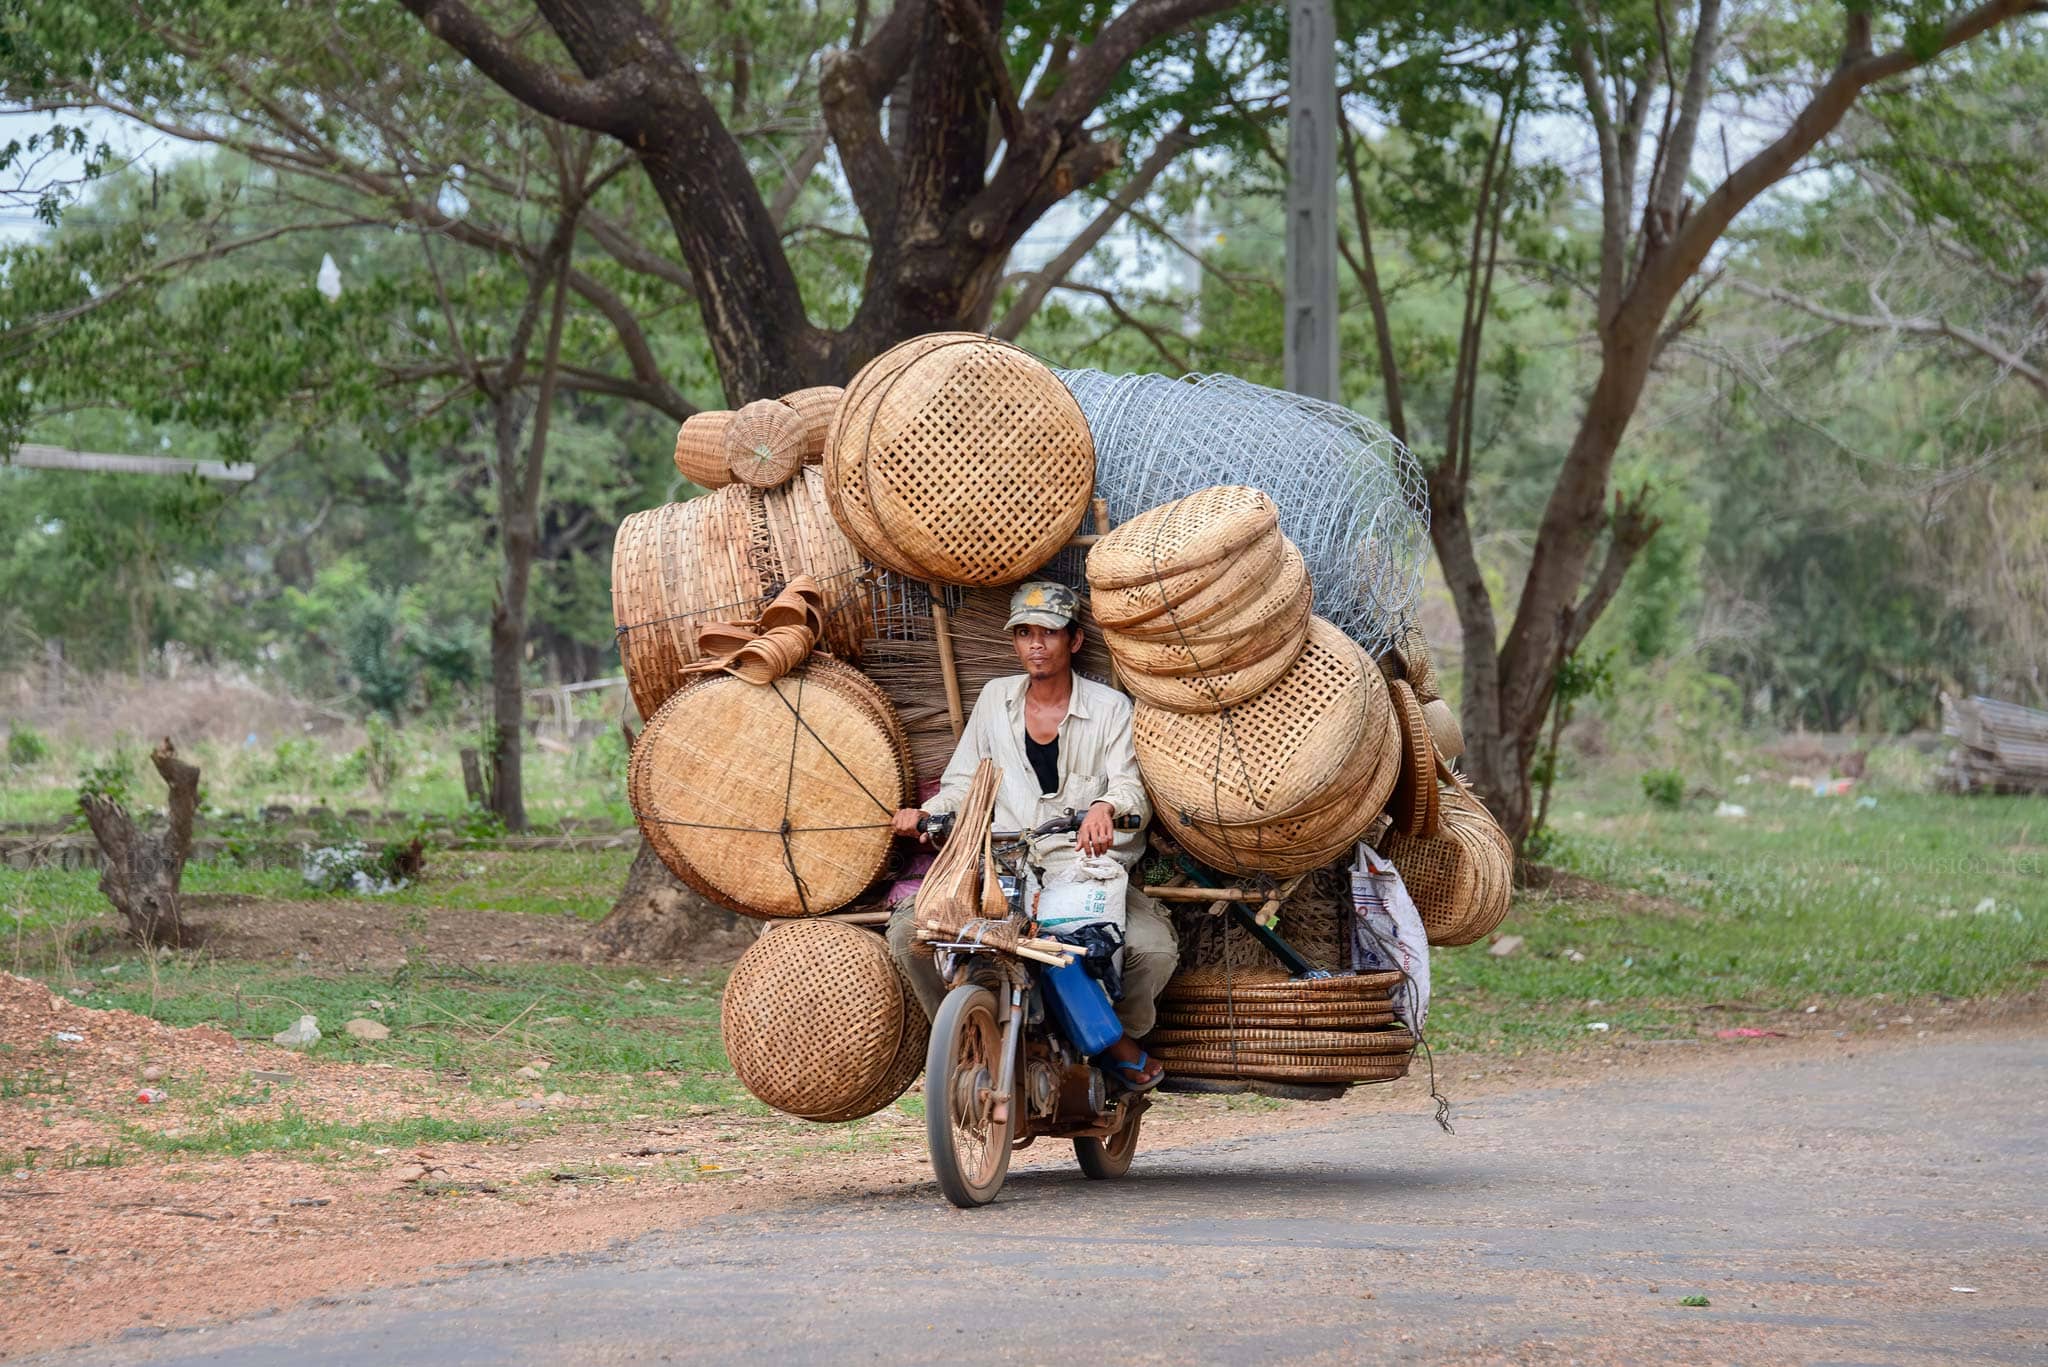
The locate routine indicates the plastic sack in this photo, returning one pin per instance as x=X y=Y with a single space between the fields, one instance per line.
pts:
x=1386 y=933
x=1088 y=891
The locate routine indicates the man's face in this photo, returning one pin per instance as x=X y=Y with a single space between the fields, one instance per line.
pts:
x=1045 y=652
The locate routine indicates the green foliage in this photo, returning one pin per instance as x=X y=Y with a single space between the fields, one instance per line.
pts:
x=26 y=747
x=110 y=778
x=1664 y=788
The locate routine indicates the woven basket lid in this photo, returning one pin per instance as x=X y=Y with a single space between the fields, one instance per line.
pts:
x=961 y=459
x=1271 y=621
x=1213 y=1062
x=814 y=1019
x=764 y=443
x=1198 y=595
x=700 y=449
x=725 y=766
x=1183 y=535
x=1280 y=750
x=817 y=406
x=1414 y=804
x=1461 y=878
x=1444 y=731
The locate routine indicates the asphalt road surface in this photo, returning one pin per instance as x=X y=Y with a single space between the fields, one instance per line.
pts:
x=1832 y=1209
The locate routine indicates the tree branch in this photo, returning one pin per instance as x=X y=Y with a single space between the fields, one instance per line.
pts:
x=1629 y=530
x=1365 y=265
x=609 y=104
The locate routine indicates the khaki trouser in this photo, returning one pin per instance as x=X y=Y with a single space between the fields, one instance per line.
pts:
x=1150 y=956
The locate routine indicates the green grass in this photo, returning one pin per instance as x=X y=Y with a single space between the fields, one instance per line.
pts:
x=1808 y=901
x=291 y=1131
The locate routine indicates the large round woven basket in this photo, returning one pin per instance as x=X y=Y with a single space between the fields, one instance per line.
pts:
x=819 y=1023
x=1462 y=877
x=1182 y=536
x=1272 y=619
x=700 y=449
x=1295 y=1016
x=722 y=557
x=764 y=443
x=1201 y=602
x=960 y=459
x=817 y=406
x=773 y=800
x=1286 y=1040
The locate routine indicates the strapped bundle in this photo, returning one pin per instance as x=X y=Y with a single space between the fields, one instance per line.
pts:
x=961 y=886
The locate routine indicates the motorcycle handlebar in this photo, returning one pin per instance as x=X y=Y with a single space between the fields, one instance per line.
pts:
x=940 y=826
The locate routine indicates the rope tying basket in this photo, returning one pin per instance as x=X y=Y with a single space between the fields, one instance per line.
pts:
x=772 y=800
x=764 y=444
x=1461 y=878
x=700 y=449
x=959 y=458
x=817 y=406
x=819 y=1023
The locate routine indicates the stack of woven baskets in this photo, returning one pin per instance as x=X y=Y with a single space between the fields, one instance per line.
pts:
x=1257 y=1024
x=762 y=444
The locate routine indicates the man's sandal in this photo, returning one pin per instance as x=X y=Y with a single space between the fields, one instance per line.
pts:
x=1131 y=1076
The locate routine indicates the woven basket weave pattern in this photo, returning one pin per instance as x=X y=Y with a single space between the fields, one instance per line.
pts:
x=1461 y=878
x=700 y=449
x=764 y=444
x=817 y=406
x=1200 y=529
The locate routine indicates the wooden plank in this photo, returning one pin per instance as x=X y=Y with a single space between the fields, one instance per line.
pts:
x=38 y=457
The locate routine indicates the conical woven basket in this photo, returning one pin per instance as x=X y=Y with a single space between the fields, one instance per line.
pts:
x=774 y=800
x=1461 y=878
x=818 y=1022
x=722 y=557
x=1186 y=534
x=764 y=444
x=1414 y=804
x=817 y=406
x=700 y=449
x=961 y=459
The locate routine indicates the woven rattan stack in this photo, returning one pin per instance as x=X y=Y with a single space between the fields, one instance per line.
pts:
x=1226 y=1024
x=762 y=444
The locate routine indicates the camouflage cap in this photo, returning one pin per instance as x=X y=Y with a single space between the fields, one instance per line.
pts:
x=1042 y=603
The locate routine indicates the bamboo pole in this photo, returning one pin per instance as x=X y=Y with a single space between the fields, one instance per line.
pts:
x=942 y=629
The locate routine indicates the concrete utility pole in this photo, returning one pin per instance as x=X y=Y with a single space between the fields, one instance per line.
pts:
x=1311 y=348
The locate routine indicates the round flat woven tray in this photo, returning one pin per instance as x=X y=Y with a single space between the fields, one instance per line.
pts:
x=1137 y=608
x=1276 y=619
x=773 y=799
x=1414 y=804
x=1220 y=1063
x=700 y=449
x=1444 y=731
x=1260 y=1040
x=817 y=406
x=1183 y=535
x=1242 y=582
x=764 y=443
x=960 y=458
x=1417 y=667
x=1214 y=688
x=817 y=1022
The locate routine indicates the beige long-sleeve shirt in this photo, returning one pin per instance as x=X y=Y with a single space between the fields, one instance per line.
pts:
x=1097 y=763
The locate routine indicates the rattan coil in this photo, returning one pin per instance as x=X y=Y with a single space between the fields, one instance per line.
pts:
x=1220 y=1063
x=817 y=1021
x=817 y=406
x=959 y=458
x=1340 y=1043
x=700 y=449
x=1201 y=529
x=772 y=799
x=1461 y=878
x=1414 y=805
x=764 y=444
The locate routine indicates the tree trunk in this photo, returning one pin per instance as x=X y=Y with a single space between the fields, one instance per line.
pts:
x=143 y=874
x=659 y=917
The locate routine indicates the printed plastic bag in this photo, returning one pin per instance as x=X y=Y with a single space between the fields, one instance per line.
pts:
x=1088 y=891
x=1386 y=932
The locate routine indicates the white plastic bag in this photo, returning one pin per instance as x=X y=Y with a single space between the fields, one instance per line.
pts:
x=1386 y=932
x=1086 y=891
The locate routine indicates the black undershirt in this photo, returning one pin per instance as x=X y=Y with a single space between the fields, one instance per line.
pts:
x=1045 y=761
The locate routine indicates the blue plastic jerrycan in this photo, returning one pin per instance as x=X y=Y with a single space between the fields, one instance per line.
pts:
x=1081 y=1008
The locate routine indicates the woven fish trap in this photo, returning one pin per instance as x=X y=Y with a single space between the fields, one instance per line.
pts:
x=773 y=800
x=1414 y=803
x=1461 y=878
x=816 y=1021
x=817 y=406
x=1211 y=1062
x=764 y=443
x=1272 y=987
x=700 y=449
x=1274 y=621
x=1201 y=529
x=1264 y=1040
x=961 y=459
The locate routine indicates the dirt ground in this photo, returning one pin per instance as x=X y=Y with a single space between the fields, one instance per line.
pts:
x=356 y=934
x=89 y=1251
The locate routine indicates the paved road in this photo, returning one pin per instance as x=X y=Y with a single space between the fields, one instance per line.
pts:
x=1827 y=1206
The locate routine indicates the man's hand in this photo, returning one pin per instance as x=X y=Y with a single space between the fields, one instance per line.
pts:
x=1098 y=830
x=905 y=823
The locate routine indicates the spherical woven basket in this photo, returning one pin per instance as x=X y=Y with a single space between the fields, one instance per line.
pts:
x=764 y=444
x=817 y=406
x=1414 y=805
x=773 y=800
x=1461 y=878
x=961 y=459
x=817 y=1021
x=722 y=557
x=700 y=449
x=1186 y=534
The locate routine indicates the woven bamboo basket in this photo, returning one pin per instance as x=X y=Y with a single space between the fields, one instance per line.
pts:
x=1272 y=986
x=1444 y=731
x=817 y=406
x=818 y=1022
x=764 y=444
x=1462 y=877
x=1273 y=621
x=1195 y=680
x=1226 y=1063
x=1416 y=666
x=1299 y=1016
x=721 y=557
x=1186 y=604
x=1415 y=805
x=1186 y=534
x=960 y=459
x=1261 y=1041
x=1315 y=919
x=773 y=800
x=700 y=449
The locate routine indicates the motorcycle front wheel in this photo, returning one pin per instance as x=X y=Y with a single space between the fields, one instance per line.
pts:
x=970 y=1148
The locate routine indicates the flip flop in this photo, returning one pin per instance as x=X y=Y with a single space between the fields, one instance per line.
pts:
x=1129 y=1075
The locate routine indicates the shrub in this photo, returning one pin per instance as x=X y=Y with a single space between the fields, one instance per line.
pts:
x=1665 y=788
x=26 y=747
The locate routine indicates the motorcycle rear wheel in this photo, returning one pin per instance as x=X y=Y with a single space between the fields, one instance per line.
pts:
x=1105 y=1160
x=970 y=1148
